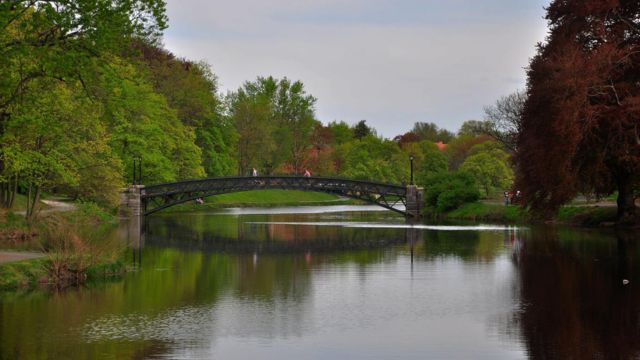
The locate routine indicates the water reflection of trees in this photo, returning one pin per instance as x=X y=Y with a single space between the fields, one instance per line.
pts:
x=248 y=235
x=467 y=245
x=574 y=304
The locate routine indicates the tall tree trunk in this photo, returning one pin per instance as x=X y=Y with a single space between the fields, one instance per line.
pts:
x=32 y=201
x=36 y=200
x=3 y=195
x=28 y=211
x=626 y=199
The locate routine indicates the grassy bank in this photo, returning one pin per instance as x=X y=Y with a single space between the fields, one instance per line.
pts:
x=265 y=198
x=74 y=246
x=573 y=215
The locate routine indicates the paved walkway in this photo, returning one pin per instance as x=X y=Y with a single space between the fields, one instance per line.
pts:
x=53 y=206
x=11 y=256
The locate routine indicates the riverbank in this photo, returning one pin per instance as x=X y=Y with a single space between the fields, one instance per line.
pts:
x=59 y=248
x=575 y=215
x=265 y=198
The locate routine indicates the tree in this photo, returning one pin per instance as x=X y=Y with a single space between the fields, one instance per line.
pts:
x=55 y=139
x=141 y=123
x=372 y=158
x=286 y=114
x=475 y=128
x=62 y=40
x=504 y=119
x=428 y=159
x=191 y=89
x=340 y=132
x=251 y=118
x=446 y=191
x=489 y=165
x=581 y=117
x=458 y=149
x=431 y=132
x=406 y=139
x=361 y=130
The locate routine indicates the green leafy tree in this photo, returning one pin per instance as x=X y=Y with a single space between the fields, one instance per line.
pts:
x=341 y=132
x=446 y=191
x=476 y=128
x=372 y=158
x=489 y=165
x=434 y=162
x=61 y=40
x=141 y=123
x=191 y=89
x=55 y=139
x=255 y=141
x=286 y=114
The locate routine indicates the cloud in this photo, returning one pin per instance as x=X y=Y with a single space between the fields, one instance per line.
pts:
x=435 y=61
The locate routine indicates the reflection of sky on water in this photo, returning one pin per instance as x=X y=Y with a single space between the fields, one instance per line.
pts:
x=445 y=308
x=389 y=226
x=299 y=210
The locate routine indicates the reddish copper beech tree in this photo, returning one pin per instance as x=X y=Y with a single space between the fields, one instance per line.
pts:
x=580 y=125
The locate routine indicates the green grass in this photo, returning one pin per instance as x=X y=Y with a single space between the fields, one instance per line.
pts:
x=587 y=215
x=575 y=215
x=27 y=274
x=21 y=274
x=493 y=212
x=264 y=198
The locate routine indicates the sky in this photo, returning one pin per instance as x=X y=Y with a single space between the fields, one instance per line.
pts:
x=389 y=62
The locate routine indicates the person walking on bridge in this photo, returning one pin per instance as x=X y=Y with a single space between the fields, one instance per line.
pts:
x=307 y=173
x=254 y=172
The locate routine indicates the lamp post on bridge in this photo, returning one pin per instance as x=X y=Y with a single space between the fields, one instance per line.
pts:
x=411 y=161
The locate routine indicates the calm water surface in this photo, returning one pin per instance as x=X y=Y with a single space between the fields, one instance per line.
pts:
x=348 y=283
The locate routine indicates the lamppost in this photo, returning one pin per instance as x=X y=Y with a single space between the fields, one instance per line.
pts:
x=411 y=160
x=137 y=165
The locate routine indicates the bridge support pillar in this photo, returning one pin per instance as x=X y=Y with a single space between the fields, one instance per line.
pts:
x=131 y=201
x=414 y=201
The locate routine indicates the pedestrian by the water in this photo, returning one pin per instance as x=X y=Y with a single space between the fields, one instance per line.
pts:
x=254 y=172
x=307 y=173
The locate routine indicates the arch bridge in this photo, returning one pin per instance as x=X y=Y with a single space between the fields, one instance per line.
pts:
x=146 y=200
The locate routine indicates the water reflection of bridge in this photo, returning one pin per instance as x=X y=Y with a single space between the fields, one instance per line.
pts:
x=282 y=239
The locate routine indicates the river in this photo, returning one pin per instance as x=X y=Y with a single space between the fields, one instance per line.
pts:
x=342 y=282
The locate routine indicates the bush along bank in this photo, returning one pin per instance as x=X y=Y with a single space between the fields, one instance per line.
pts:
x=74 y=245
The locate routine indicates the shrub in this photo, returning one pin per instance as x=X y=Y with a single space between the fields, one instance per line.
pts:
x=447 y=191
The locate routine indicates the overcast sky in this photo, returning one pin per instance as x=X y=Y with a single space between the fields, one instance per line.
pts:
x=390 y=62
